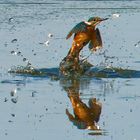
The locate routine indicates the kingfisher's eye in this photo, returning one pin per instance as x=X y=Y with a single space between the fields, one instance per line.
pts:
x=94 y=20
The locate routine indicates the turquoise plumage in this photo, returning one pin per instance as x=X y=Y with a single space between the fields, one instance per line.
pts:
x=80 y=27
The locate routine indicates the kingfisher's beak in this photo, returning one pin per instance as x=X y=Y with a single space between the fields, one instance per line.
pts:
x=104 y=19
x=100 y=20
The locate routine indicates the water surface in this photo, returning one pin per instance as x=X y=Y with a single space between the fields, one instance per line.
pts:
x=37 y=110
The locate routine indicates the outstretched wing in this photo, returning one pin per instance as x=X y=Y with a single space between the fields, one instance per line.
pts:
x=96 y=41
x=80 y=27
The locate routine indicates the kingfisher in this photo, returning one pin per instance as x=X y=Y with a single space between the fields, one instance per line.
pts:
x=86 y=32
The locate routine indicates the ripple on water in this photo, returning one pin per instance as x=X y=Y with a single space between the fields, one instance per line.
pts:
x=18 y=82
x=98 y=133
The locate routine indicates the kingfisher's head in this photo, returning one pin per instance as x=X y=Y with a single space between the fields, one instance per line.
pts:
x=95 y=20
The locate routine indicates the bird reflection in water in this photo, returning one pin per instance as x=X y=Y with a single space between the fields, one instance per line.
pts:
x=85 y=116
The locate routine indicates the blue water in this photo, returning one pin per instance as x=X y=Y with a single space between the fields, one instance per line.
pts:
x=37 y=110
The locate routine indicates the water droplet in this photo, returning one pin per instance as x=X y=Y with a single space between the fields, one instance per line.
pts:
x=34 y=93
x=137 y=44
x=14 y=100
x=13 y=115
x=5 y=99
x=5 y=45
x=13 y=92
x=19 y=53
x=41 y=43
x=11 y=19
x=116 y=15
x=10 y=121
x=25 y=60
x=6 y=134
x=98 y=127
x=29 y=64
x=47 y=43
x=50 y=35
x=14 y=40
x=78 y=44
x=13 y=53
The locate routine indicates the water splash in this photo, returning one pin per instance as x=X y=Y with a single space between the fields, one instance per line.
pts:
x=29 y=70
x=93 y=72
x=24 y=70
